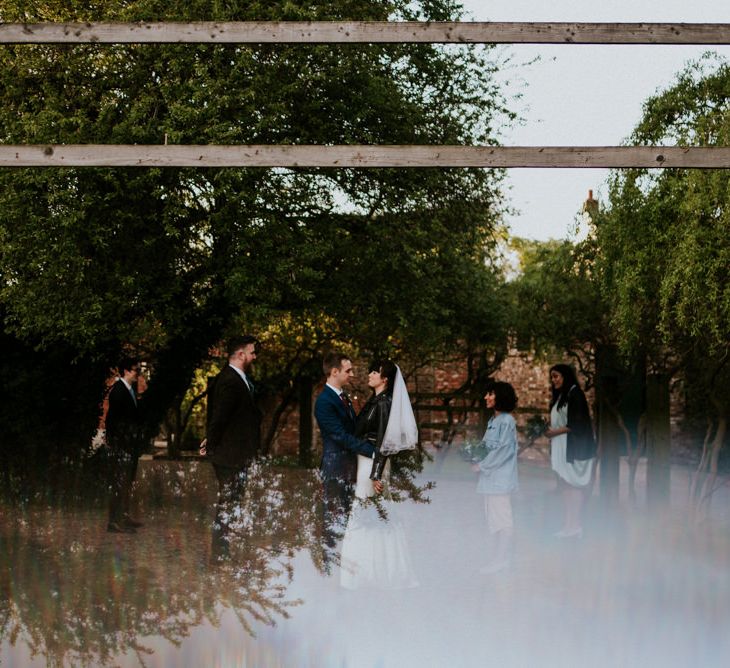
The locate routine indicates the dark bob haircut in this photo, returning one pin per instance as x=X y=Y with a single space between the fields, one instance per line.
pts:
x=387 y=369
x=505 y=397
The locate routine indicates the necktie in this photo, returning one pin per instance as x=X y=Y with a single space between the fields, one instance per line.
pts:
x=134 y=396
x=249 y=384
x=345 y=402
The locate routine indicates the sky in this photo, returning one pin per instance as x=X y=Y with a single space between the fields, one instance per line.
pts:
x=583 y=95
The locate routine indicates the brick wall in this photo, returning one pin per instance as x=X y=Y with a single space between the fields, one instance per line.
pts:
x=527 y=374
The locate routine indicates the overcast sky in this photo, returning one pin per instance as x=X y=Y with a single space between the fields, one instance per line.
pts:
x=585 y=95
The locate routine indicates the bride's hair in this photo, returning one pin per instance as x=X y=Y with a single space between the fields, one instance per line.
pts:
x=387 y=369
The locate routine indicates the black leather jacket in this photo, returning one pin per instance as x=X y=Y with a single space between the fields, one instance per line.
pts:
x=581 y=443
x=371 y=424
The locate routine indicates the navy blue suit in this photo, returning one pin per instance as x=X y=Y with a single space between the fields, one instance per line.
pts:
x=340 y=445
x=339 y=459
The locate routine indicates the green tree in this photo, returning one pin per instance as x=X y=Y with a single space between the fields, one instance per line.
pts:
x=557 y=303
x=665 y=252
x=559 y=311
x=168 y=261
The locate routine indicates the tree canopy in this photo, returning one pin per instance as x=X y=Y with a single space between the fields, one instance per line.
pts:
x=557 y=305
x=677 y=220
x=664 y=237
x=166 y=262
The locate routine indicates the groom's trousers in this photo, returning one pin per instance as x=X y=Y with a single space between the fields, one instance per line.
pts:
x=337 y=500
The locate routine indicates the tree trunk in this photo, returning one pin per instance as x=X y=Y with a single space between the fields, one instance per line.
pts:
x=610 y=434
x=634 y=457
x=286 y=399
x=709 y=485
x=658 y=442
x=305 y=421
x=174 y=433
x=700 y=474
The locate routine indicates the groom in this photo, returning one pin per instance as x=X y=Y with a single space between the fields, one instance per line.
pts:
x=336 y=420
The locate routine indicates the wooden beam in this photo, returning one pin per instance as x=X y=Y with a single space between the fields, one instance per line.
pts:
x=105 y=155
x=341 y=32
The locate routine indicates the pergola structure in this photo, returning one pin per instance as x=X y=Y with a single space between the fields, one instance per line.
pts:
x=352 y=32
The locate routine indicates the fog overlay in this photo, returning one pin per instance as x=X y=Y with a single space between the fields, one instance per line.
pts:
x=638 y=589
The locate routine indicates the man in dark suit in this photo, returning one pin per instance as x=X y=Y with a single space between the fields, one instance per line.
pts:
x=336 y=420
x=233 y=432
x=125 y=439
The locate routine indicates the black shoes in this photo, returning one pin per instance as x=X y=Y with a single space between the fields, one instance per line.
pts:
x=129 y=522
x=126 y=525
x=114 y=527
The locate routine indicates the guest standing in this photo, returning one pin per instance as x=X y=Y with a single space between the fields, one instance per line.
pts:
x=572 y=446
x=125 y=440
x=233 y=434
x=498 y=473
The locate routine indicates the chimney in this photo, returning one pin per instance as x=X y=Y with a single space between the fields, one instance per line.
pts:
x=590 y=206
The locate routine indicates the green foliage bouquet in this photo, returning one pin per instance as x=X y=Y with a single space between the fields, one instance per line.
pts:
x=474 y=451
x=535 y=427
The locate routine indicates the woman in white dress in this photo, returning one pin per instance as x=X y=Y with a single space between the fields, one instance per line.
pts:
x=374 y=548
x=572 y=446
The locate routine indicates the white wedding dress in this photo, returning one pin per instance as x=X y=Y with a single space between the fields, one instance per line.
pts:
x=375 y=552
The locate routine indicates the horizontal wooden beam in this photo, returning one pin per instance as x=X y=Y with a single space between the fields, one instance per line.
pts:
x=349 y=32
x=106 y=155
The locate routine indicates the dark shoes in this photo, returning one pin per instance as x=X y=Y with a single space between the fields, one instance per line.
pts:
x=114 y=527
x=126 y=525
x=129 y=522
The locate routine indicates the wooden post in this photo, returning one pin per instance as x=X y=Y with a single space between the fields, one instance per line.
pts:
x=364 y=32
x=343 y=156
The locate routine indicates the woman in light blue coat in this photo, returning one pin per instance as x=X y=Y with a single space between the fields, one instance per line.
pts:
x=498 y=473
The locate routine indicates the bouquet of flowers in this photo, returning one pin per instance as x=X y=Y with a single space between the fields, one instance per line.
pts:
x=535 y=427
x=474 y=451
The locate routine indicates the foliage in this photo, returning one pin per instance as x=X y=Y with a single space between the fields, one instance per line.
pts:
x=557 y=305
x=48 y=403
x=166 y=262
x=535 y=426
x=665 y=249
x=163 y=585
x=474 y=451
x=665 y=235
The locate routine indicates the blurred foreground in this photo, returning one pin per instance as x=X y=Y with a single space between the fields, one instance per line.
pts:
x=637 y=590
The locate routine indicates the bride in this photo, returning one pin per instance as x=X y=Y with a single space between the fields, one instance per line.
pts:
x=374 y=549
